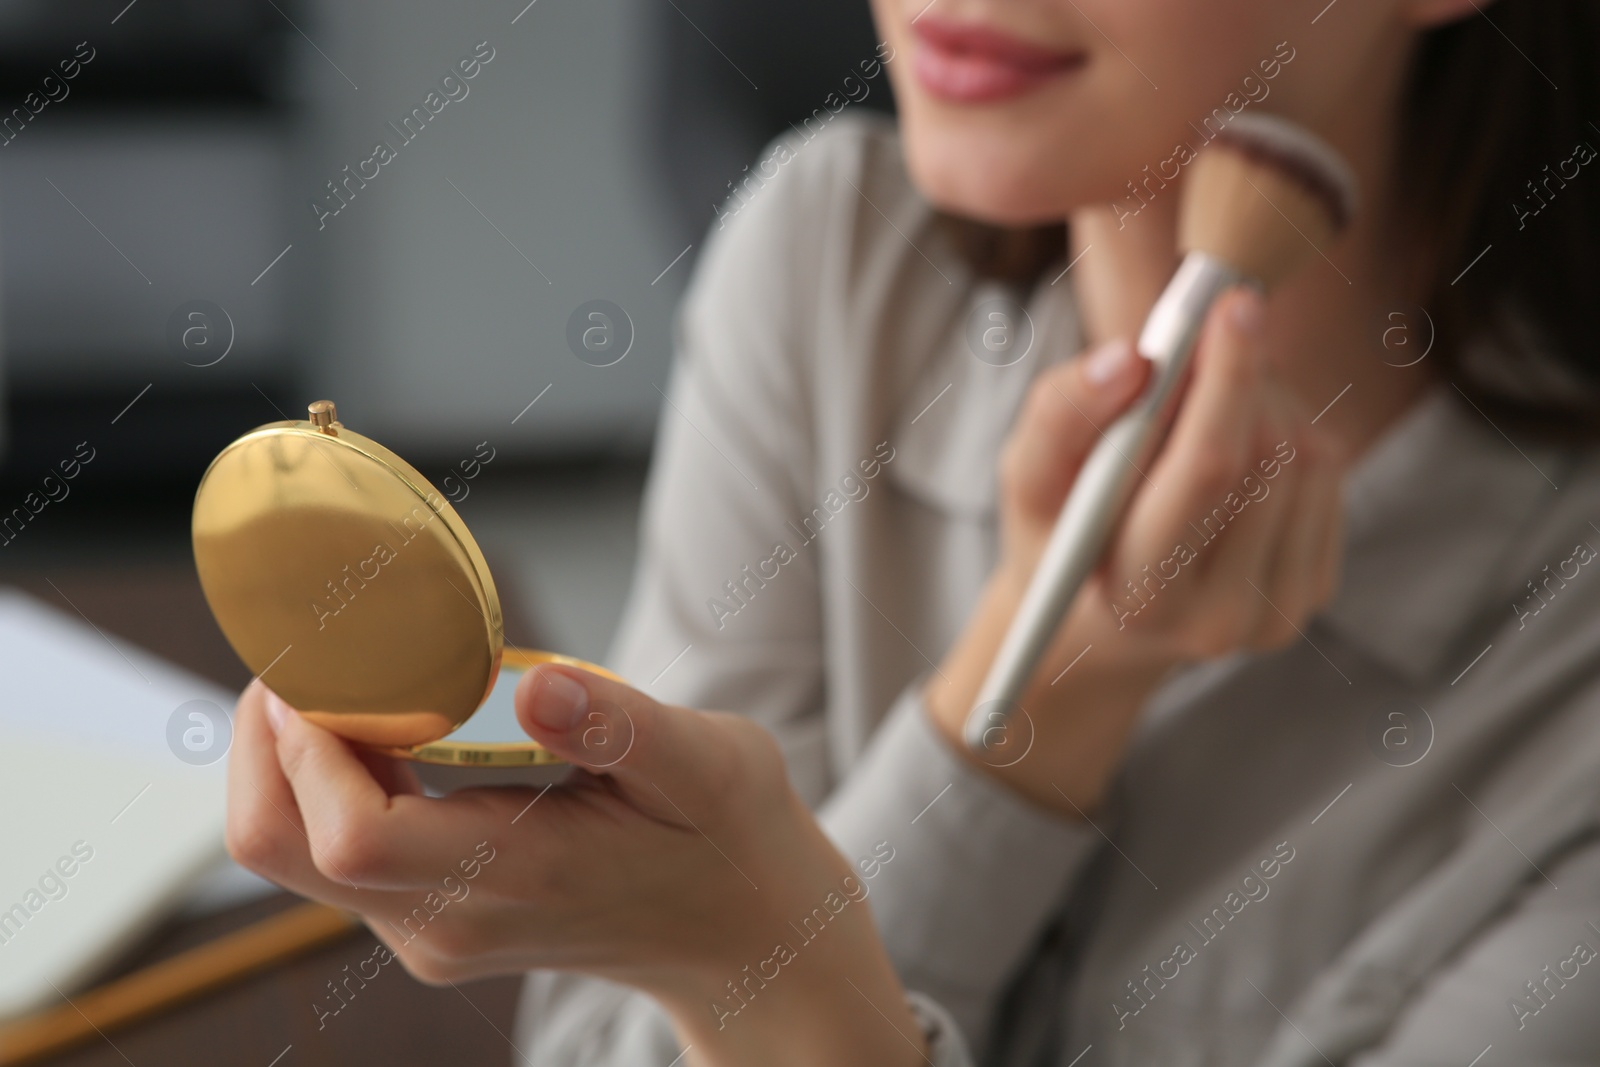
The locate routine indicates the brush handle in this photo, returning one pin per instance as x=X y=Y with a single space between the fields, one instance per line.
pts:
x=1097 y=499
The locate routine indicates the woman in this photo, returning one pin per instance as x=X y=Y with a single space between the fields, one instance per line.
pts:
x=1304 y=793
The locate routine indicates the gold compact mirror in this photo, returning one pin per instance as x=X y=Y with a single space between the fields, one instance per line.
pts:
x=347 y=583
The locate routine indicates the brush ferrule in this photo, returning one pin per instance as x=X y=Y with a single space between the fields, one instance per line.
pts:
x=1173 y=326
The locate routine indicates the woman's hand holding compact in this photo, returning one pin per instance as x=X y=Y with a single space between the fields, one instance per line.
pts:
x=674 y=861
x=1230 y=542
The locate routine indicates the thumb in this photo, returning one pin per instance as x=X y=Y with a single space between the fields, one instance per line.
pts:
x=659 y=754
x=1068 y=407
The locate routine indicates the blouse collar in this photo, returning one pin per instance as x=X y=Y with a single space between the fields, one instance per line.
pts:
x=1433 y=509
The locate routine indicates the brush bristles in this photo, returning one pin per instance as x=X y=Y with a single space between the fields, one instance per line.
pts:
x=1265 y=197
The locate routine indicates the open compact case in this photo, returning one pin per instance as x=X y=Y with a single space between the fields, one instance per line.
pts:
x=347 y=583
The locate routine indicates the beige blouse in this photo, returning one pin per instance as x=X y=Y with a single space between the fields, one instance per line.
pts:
x=1379 y=846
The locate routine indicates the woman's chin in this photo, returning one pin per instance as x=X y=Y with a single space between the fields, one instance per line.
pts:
x=985 y=183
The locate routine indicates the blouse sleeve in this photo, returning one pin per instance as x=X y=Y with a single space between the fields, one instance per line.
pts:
x=976 y=871
x=945 y=1045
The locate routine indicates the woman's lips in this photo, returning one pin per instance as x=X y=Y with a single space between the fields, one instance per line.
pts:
x=970 y=63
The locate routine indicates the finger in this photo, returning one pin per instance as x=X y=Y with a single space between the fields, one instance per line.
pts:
x=1207 y=450
x=1328 y=527
x=1218 y=418
x=264 y=831
x=662 y=756
x=359 y=834
x=1273 y=590
x=1330 y=552
x=1062 y=419
x=1292 y=579
x=1240 y=571
x=393 y=774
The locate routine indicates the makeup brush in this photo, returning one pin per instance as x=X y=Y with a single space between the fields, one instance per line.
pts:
x=1259 y=201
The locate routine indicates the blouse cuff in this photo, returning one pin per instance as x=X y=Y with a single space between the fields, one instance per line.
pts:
x=961 y=872
x=945 y=1047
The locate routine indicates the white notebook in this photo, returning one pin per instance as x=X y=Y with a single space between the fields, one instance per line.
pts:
x=104 y=826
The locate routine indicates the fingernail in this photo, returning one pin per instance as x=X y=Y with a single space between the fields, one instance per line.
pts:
x=277 y=712
x=1108 y=362
x=558 y=701
x=1248 y=311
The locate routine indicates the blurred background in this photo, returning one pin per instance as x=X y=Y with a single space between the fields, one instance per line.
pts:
x=196 y=238
x=160 y=247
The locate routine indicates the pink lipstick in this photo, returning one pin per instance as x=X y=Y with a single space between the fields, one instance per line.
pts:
x=965 y=62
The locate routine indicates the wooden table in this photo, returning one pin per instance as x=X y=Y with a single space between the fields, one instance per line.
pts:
x=268 y=1020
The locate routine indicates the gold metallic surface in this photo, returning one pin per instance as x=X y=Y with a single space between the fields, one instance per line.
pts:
x=337 y=572
x=344 y=580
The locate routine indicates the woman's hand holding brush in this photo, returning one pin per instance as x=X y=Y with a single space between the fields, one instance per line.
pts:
x=1230 y=542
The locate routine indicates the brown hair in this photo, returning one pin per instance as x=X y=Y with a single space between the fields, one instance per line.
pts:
x=1491 y=114
x=1495 y=116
